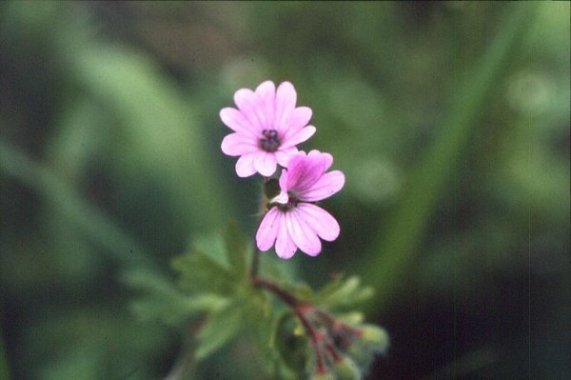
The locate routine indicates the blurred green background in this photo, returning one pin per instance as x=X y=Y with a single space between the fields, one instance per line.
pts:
x=450 y=121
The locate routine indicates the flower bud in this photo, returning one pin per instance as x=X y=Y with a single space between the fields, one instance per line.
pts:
x=327 y=375
x=361 y=355
x=376 y=337
x=347 y=369
x=372 y=340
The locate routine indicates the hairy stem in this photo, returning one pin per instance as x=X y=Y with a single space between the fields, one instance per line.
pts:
x=301 y=311
x=282 y=294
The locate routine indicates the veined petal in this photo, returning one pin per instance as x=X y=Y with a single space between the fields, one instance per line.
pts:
x=248 y=103
x=283 y=156
x=290 y=176
x=325 y=157
x=265 y=163
x=297 y=119
x=266 y=93
x=285 y=104
x=285 y=247
x=245 y=99
x=320 y=220
x=268 y=230
x=302 y=235
x=326 y=186
x=303 y=172
x=299 y=137
x=267 y=88
x=245 y=165
x=236 y=144
x=234 y=120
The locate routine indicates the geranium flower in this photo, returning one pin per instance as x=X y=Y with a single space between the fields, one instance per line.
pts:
x=293 y=221
x=267 y=127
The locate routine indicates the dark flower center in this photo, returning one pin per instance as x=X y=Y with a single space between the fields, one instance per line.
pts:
x=270 y=141
x=292 y=202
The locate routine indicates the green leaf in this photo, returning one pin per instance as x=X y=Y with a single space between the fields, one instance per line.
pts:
x=351 y=317
x=162 y=301
x=201 y=273
x=292 y=347
x=221 y=327
x=236 y=248
x=343 y=293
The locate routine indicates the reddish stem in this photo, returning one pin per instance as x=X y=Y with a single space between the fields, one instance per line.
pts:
x=333 y=351
x=338 y=325
x=301 y=310
x=283 y=294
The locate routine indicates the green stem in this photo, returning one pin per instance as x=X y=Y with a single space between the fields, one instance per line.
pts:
x=263 y=209
x=395 y=248
x=255 y=262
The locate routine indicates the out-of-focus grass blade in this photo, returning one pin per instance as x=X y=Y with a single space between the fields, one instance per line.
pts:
x=88 y=219
x=158 y=133
x=395 y=247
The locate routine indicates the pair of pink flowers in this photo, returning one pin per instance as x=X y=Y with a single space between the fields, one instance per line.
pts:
x=267 y=127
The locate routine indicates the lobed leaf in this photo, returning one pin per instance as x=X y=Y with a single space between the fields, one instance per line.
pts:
x=342 y=293
x=163 y=301
x=222 y=326
x=200 y=273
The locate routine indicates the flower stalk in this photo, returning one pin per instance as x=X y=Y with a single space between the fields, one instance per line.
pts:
x=255 y=263
x=327 y=335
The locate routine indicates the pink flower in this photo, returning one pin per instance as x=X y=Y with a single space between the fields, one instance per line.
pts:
x=294 y=221
x=267 y=126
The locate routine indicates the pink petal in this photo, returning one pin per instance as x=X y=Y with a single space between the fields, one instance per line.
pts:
x=285 y=104
x=284 y=180
x=326 y=186
x=268 y=230
x=325 y=157
x=237 y=122
x=266 y=93
x=245 y=98
x=249 y=105
x=303 y=172
x=245 y=165
x=297 y=120
x=267 y=88
x=299 y=136
x=237 y=144
x=320 y=221
x=285 y=247
x=283 y=156
x=302 y=235
x=282 y=198
x=265 y=163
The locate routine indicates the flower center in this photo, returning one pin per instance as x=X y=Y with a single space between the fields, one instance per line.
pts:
x=292 y=202
x=270 y=141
